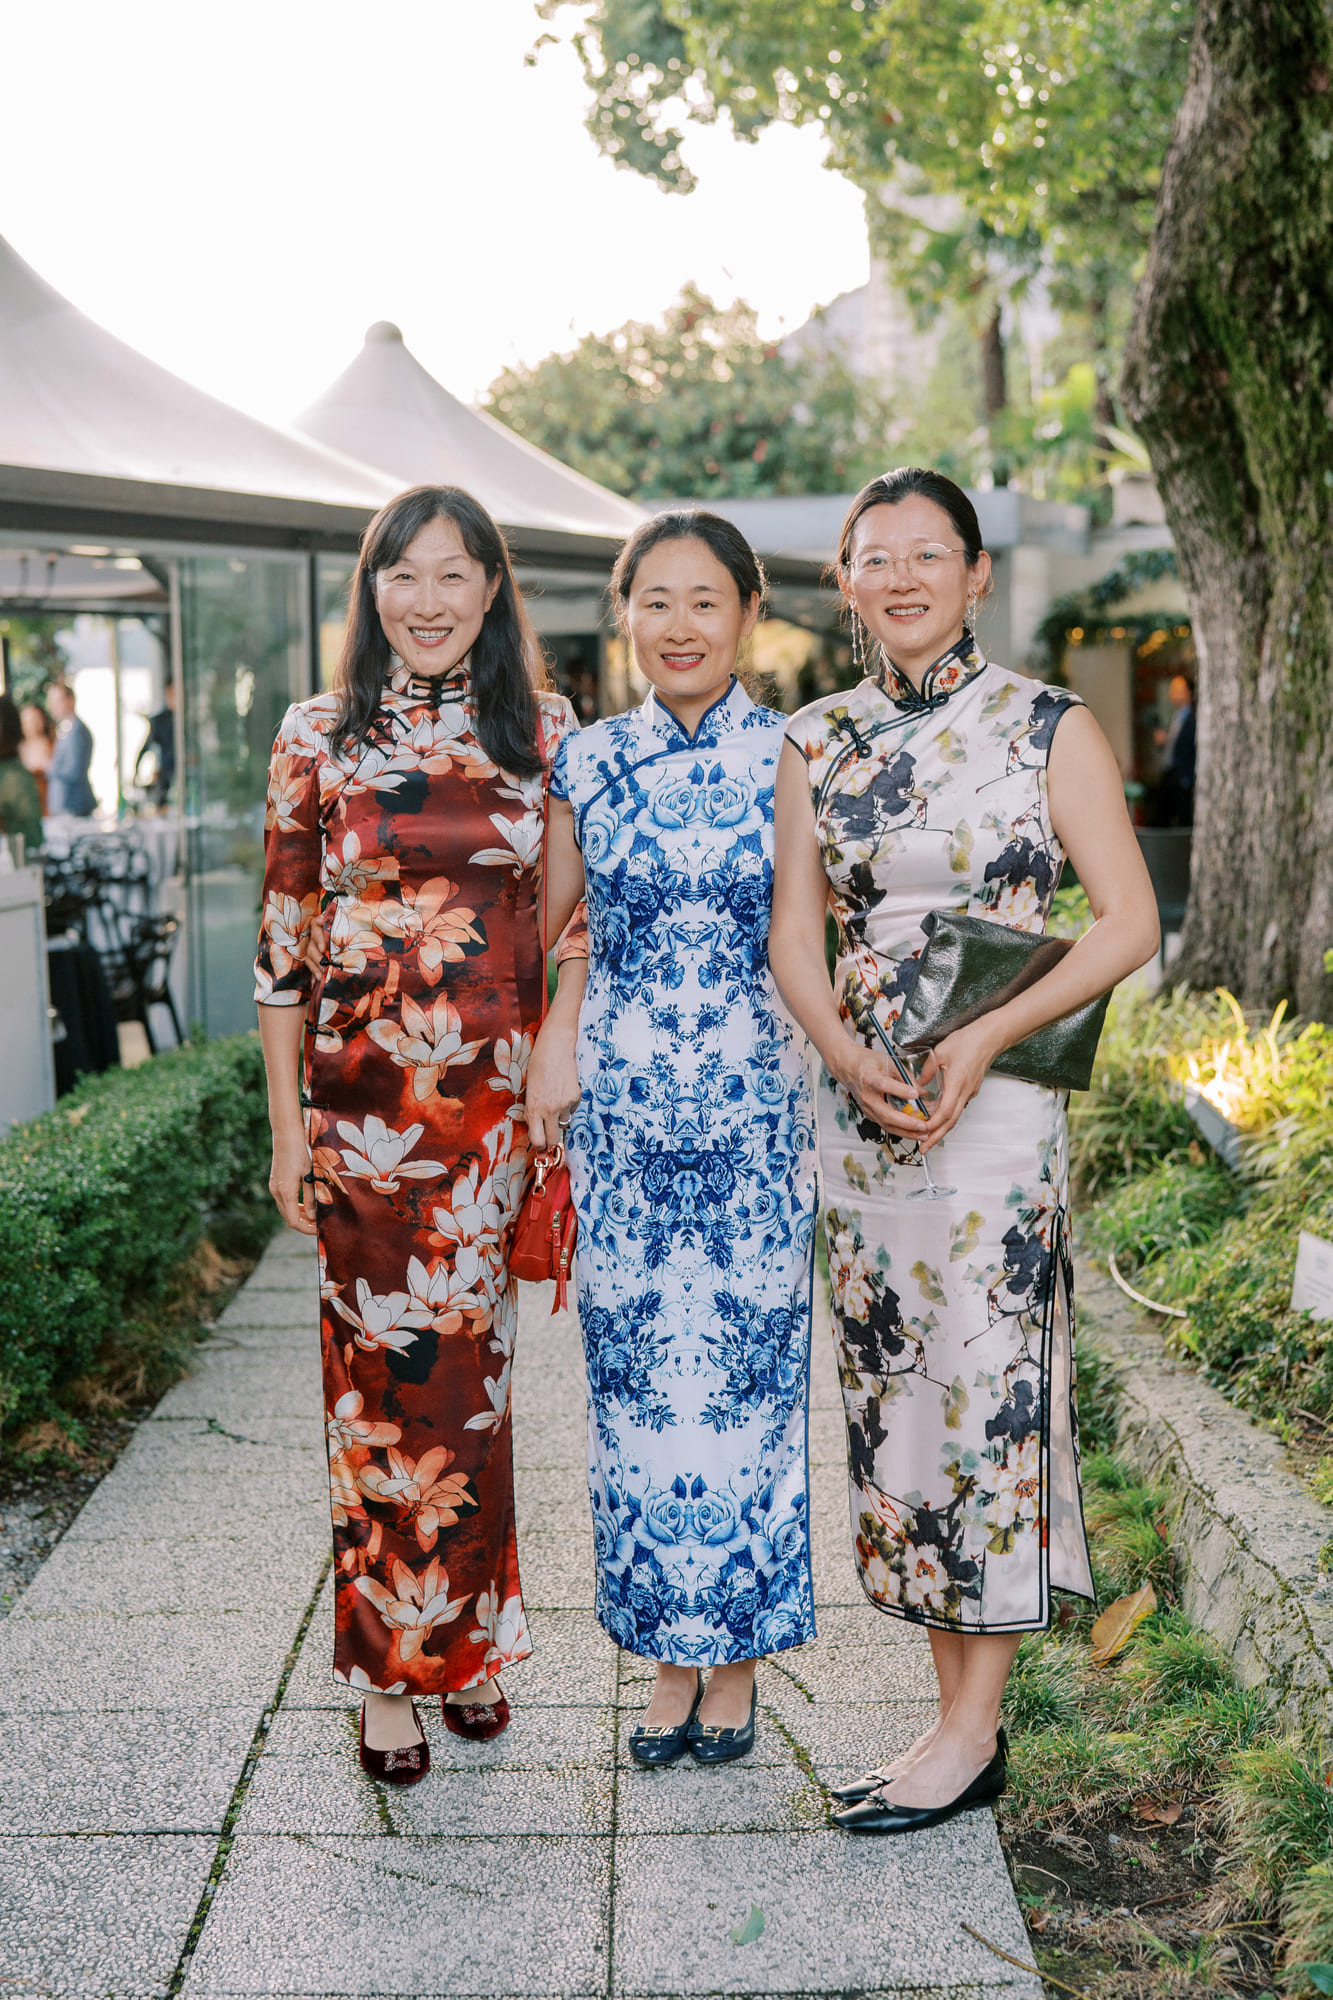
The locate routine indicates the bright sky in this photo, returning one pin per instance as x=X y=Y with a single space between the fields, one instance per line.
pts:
x=239 y=191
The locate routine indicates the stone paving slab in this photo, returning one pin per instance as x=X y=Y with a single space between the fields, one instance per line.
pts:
x=366 y=1915
x=159 y=1665
x=204 y=1573
x=161 y=1660
x=98 y=1917
x=128 y=1772
x=867 y=1913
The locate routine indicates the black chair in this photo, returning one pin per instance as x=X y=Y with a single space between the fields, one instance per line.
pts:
x=148 y=951
x=1166 y=850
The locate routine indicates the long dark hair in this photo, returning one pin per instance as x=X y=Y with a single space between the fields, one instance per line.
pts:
x=901 y=484
x=11 y=729
x=507 y=663
x=720 y=537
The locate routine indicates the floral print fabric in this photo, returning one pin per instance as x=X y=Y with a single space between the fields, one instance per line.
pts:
x=693 y=1164
x=422 y=858
x=953 y=1317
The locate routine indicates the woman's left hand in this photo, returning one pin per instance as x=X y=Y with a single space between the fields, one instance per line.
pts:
x=553 y=1088
x=960 y=1061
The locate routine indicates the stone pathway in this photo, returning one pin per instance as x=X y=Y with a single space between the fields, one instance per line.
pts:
x=181 y=1809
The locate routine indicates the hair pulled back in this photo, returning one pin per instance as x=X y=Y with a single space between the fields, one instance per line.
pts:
x=507 y=664
x=901 y=484
x=722 y=538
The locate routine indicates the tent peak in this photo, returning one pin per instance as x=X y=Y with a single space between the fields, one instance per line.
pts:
x=384 y=329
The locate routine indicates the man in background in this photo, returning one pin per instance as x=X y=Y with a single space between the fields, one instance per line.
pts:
x=161 y=741
x=67 y=786
x=1175 y=787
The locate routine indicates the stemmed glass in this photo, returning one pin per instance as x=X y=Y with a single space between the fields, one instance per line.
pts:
x=931 y=1191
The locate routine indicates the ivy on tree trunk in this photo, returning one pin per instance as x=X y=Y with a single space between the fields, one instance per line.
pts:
x=1229 y=380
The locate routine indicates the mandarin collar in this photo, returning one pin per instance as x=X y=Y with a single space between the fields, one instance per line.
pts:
x=728 y=712
x=953 y=670
x=428 y=690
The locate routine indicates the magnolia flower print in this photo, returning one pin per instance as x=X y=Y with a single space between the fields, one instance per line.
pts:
x=522 y=843
x=415 y=1605
x=427 y=1043
x=511 y=1060
x=391 y=1321
x=502 y=1630
x=427 y=1496
x=380 y=1155
x=287 y=927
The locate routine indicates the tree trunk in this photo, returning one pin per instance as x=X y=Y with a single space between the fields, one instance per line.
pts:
x=1229 y=380
x=994 y=389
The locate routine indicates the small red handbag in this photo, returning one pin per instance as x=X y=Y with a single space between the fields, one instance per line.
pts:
x=548 y=1224
x=547 y=1228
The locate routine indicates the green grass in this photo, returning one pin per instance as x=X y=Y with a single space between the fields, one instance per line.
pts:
x=1166 y=1720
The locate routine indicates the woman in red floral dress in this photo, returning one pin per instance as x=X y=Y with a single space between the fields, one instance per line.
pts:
x=405 y=815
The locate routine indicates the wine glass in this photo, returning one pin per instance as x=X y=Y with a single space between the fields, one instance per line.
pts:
x=924 y=1093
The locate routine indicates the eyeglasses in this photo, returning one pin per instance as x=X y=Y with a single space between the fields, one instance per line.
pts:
x=919 y=561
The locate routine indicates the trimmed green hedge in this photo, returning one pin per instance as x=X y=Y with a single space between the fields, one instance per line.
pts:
x=102 y=1197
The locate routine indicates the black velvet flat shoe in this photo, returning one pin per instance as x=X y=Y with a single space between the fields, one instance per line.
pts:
x=861 y=1788
x=879 y=1815
x=658 y=1743
x=711 y=1744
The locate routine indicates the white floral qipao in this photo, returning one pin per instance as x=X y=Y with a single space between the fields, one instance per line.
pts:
x=693 y=1163
x=954 y=1317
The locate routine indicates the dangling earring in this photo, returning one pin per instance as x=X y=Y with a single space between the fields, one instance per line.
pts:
x=972 y=612
x=858 y=643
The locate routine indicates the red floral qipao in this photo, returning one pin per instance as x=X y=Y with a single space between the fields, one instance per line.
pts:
x=422 y=858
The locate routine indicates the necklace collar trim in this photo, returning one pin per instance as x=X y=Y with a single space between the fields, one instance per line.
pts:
x=954 y=669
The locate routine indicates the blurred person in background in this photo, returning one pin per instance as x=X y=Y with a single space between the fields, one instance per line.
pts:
x=1175 y=787
x=161 y=742
x=39 y=741
x=20 y=802
x=67 y=786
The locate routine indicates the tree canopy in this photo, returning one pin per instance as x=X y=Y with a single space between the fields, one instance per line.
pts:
x=697 y=403
x=1046 y=120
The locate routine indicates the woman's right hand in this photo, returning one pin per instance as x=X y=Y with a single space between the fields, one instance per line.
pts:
x=876 y=1087
x=317 y=947
x=291 y=1183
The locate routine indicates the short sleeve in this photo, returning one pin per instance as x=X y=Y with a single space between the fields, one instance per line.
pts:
x=797 y=733
x=560 y=771
x=292 y=856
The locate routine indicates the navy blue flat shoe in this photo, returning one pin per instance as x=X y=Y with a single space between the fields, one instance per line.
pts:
x=710 y=1744
x=878 y=1814
x=659 y=1743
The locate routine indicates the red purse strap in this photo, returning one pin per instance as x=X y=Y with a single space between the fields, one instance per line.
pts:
x=546 y=829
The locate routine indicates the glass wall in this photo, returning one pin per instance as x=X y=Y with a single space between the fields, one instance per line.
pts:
x=333 y=576
x=245 y=653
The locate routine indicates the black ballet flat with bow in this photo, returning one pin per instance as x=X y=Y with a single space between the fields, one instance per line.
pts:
x=861 y=1788
x=878 y=1814
x=711 y=1744
x=659 y=1743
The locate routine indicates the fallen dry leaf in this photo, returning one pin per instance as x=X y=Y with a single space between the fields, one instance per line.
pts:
x=1113 y=1629
x=1154 y=1815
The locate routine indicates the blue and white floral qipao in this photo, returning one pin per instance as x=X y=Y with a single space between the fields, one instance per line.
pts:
x=692 y=1155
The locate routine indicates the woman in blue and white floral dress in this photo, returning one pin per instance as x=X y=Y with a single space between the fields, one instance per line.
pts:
x=692 y=1153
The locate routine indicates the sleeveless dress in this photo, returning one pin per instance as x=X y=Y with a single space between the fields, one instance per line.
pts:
x=954 y=1317
x=692 y=1157
x=422 y=858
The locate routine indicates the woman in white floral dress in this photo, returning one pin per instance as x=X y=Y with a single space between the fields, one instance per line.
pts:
x=945 y=781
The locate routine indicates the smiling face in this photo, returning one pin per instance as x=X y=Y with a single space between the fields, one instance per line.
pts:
x=916 y=613
x=433 y=599
x=686 y=622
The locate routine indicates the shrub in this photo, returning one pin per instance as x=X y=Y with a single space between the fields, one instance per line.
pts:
x=101 y=1198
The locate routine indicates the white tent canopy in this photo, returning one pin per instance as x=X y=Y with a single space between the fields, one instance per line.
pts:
x=75 y=400
x=388 y=411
